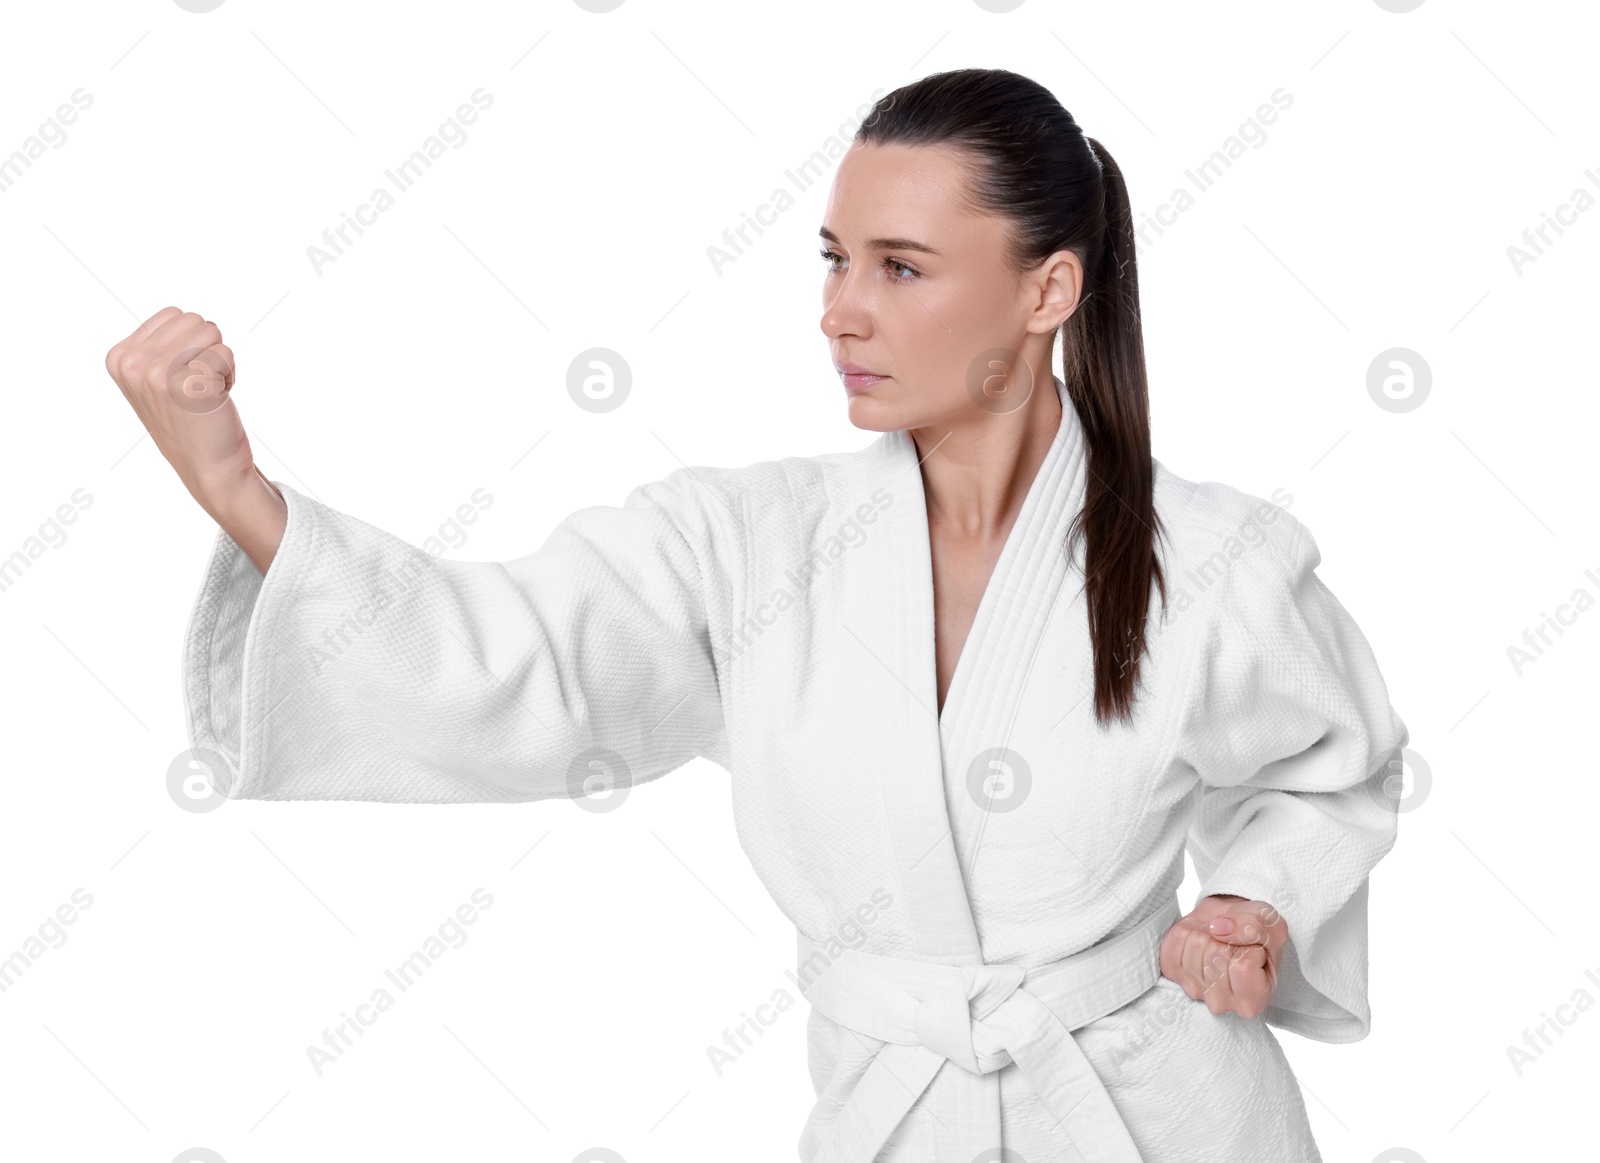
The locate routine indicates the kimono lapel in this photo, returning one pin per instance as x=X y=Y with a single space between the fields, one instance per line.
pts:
x=934 y=755
x=986 y=689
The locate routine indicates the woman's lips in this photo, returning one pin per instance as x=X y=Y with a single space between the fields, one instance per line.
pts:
x=857 y=381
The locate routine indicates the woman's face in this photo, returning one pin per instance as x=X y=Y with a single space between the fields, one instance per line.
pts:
x=916 y=290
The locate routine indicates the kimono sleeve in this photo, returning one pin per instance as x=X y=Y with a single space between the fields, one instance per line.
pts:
x=1290 y=731
x=360 y=667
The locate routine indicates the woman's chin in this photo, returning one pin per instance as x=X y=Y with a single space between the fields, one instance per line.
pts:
x=873 y=415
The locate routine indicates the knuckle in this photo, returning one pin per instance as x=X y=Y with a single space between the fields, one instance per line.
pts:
x=150 y=373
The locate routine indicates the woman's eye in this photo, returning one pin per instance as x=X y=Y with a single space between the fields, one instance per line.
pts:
x=891 y=263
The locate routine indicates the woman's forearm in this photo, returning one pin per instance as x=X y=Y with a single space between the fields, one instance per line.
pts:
x=254 y=514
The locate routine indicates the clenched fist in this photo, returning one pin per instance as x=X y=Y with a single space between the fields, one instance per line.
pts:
x=177 y=374
x=1225 y=952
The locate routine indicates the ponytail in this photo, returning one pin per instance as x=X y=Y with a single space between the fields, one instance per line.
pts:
x=1102 y=352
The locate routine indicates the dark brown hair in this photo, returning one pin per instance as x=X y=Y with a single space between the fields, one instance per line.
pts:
x=1062 y=191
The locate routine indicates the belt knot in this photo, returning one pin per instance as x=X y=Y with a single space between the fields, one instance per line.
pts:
x=949 y=1021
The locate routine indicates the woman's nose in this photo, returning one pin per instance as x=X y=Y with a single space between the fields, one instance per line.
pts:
x=843 y=310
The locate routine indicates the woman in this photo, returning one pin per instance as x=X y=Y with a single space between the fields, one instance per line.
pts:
x=937 y=715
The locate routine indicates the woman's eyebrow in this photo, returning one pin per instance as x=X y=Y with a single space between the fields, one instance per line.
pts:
x=882 y=243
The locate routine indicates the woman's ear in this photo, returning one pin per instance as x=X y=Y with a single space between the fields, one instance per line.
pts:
x=1059 y=279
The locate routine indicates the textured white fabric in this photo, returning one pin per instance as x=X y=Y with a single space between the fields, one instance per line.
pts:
x=778 y=619
x=976 y=1019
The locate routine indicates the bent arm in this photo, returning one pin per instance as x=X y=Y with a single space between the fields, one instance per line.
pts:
x=1291 y=735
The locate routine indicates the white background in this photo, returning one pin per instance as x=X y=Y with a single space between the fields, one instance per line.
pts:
x=427 y=360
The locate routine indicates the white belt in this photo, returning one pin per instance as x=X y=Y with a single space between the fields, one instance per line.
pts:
x=980 y=1018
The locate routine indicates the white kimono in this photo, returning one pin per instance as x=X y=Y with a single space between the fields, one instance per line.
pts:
x=1019 y=863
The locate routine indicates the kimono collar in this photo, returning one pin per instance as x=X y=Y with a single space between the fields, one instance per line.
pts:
x=937 y=753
